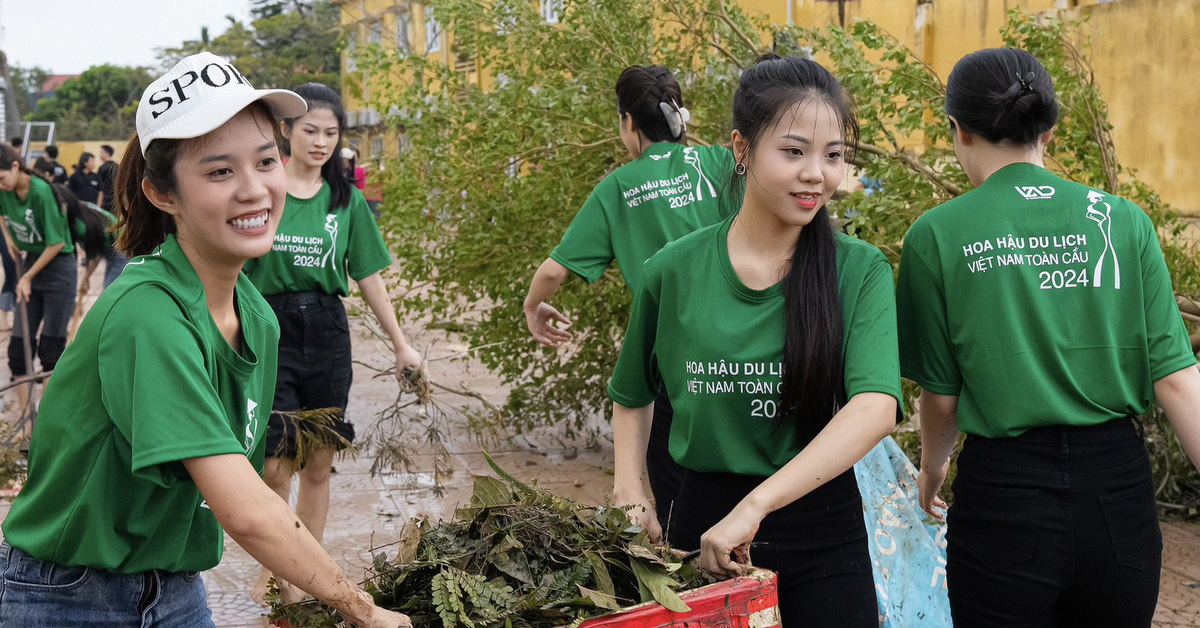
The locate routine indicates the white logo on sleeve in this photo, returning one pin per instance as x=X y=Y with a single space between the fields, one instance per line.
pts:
x=1036 y=192
x=251 y=424
x=1103 y=220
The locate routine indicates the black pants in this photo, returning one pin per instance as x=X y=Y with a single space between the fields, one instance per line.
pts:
x=315 y=369
x=817 y=545
x=1055 y=527
x=51 y=304
x=665 y=474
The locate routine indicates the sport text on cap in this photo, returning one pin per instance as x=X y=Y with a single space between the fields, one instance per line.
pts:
x=201 y=93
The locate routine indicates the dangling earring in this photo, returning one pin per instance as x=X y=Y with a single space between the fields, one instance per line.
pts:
x=740 y=169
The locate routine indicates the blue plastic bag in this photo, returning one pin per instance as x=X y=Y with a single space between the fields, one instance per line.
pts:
x=908 y=547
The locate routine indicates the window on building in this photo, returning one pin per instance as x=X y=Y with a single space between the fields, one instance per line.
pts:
x=433 y=31
x=403 y=22
x=352 y=51
x=377 y=146
x=552 y=11
x=376 y=33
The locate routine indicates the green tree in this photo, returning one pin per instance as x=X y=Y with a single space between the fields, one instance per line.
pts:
x=27 y=82
x=494 y=177
x=285 y=45
x=98 y=104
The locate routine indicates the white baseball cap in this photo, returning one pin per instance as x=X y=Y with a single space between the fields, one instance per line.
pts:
x=201 y=93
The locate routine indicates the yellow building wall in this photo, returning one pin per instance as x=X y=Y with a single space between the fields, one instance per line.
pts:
x=1140 y=53
x=1146 y=64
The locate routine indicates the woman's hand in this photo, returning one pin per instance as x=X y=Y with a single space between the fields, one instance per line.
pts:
x=371 y=616
x=24 y=288
x=538 y=320
x=381 y=618
x=731 y=535
x=407 y=359
x=929 y=482
x=642 y=513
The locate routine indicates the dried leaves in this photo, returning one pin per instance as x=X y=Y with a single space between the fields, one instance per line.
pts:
x=518 y=556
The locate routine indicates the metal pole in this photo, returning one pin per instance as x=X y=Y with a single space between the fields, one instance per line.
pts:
x=27 y=413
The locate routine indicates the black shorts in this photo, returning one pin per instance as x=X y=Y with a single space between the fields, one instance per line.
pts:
x=315 y=372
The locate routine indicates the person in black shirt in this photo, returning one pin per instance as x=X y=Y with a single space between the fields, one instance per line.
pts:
x=108 y=177
x=85 y=183
x=48 y=163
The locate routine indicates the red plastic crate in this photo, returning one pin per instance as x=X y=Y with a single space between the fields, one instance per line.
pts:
x=745 y=602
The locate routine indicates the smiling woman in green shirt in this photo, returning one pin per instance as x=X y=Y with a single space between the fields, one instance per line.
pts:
x=775 y=338
x=668 y=191
x=1037 y=315
x=149 y=440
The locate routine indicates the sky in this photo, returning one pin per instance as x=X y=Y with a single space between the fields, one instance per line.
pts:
x=70 y=36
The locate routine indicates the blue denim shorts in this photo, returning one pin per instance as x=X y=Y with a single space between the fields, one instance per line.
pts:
x=34 y=592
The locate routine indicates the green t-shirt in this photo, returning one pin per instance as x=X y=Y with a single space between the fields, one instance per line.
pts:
x=79 y=228
x=148 y=382
x=667 y=193
x=1038 y=301
x=36 y=222
x=314 y=249
x=717 y=346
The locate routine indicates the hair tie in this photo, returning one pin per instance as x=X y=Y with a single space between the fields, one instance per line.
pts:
x=677 y=117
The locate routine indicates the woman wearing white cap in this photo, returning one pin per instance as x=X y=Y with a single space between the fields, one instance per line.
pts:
x=149 y=439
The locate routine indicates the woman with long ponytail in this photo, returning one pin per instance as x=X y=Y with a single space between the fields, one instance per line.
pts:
x=774 y=337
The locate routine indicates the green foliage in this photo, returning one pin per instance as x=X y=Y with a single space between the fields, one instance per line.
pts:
x=287 y=44
x=99 y=104
x=24 y=83
x=516 y=556
x=494 y=177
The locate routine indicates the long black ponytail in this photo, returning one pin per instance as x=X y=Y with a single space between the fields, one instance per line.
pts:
x=813 y=386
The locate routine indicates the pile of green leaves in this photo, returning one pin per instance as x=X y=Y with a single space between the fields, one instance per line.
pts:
x=517 y=556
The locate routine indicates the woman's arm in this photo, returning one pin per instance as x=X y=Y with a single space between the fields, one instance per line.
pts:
x=268 y=530
x=864 y=421
x=376 y=294
x=85 y=282
x=939 y=435
x=539 y=314
x=25 y=283
x=1179 y=395
x=631 y=437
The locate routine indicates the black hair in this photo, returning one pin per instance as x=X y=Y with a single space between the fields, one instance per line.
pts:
x=641 y=90
x=107 y=149
x=17 y=141
x=92 y=238
x=10 y=155
x=1003 y=94
x=813 y=386
x=319 y=96
x=52 y=151
x=83 y=159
